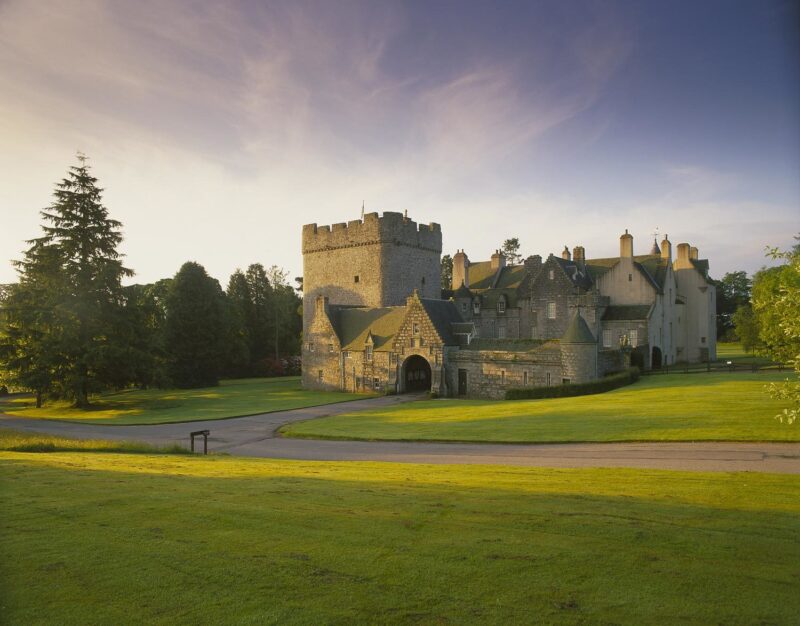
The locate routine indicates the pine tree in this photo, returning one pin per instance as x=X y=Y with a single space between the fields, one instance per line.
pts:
x=65 y=312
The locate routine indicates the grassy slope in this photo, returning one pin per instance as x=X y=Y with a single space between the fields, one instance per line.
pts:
x=115 y=538
x=674 y=407
x=156 y=406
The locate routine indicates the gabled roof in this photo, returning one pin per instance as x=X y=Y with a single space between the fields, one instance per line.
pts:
x=627 y=312
x=653 y=267
x=481 y=275
x=701 y=265
x=578 y=331
x=511 y=277
x=442 y=314
x=578 y=276
x=354 y=324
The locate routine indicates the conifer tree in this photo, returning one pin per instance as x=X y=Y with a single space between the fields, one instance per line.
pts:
x=65 y=313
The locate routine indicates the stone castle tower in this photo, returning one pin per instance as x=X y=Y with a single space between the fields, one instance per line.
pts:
x=374 y=262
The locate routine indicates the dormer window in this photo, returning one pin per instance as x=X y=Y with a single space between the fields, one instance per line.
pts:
x=476 y=306
x=368 y=353
x=501 y=305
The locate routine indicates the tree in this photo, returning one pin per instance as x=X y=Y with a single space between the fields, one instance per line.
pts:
x=285 y=320
x=746 y=326
x=733 y=291
x=776 y=303
x=194 y=328
x=63 y=335
x=511 y=250
x=447 y=271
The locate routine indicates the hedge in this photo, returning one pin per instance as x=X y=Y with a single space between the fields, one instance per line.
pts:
x=631 y=375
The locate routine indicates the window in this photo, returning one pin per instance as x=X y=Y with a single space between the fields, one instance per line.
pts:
x=476 y=306
x=368 y=353
x=346 y=354
x=630 y=278
x=634 y=338
x=551 y=275
x=319 y=375
x=413 y=343
x=330 y=347
x=548 y=379
x=311 y=346
x=502 y=377
x=534 y=332
x=565 y=381
x=422 y=341
x=376 y=383
x=702 y=339
x=463 y=307
x=501 y=305
x=415 y=328
x=501 y=331
x=356 y=278
x=525 y=379
x=423 y=281
x=606 y=338
x=551 y=310
x=393 y=358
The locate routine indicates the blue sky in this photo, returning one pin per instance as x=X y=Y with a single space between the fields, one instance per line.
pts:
x=219 y=128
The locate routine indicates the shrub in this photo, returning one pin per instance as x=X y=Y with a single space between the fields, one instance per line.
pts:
x=614 y=381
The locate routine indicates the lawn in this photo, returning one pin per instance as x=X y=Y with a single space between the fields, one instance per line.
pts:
x=88 y=537
x=735 y=353
x=232 y=398
x=672 y=407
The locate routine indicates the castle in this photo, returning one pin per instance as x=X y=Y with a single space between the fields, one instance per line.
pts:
x=376 y=316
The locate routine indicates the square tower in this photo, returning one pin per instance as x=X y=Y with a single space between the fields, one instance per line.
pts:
x=374 y=262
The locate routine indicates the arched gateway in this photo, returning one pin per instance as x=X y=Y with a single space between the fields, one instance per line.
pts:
x=416 y=374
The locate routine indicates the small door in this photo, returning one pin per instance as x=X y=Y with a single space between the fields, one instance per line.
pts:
x=462 y=382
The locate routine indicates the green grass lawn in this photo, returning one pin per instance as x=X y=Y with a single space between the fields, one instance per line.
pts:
x=734 y=352
x=157 y=406
x=89 y=537
x=672 y=407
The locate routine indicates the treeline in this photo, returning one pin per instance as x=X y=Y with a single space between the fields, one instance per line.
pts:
x=69 y=328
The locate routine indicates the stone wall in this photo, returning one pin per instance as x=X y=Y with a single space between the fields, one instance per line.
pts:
x=578 y=362
x=491 y=373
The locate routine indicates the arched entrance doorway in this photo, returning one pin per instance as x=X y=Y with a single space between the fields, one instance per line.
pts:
x=655 y=362
x=416 y=374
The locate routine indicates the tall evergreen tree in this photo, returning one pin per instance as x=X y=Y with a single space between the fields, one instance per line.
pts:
x=64 y=314
x=194 y=329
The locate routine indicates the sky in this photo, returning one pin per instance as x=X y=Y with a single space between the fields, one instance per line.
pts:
x=218 y=129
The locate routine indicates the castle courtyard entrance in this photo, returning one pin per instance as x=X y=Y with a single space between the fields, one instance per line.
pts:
x=416 y=374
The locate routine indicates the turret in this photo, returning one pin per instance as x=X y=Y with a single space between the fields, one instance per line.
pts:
x=626 y=245
x=578 y=351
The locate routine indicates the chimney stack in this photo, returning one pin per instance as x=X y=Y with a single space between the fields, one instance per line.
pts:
x=498 y=260
x=693 y=252
x=666 y=248
x=460 y=270
x=626 y=245
x=565 y=254
x=578 y=254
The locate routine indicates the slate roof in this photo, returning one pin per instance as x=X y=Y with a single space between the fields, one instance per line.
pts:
x=461 y=292
x=481 y=275
x=578 y=276
x=627 y=312
x=506 y=345
x=578 y=331
x=353 y=325
x=701 y=265
x=651 y=266
x=442 y=314
x=511 y=277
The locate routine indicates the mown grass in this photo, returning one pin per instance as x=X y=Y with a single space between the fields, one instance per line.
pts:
x=735 y=353
x=129 y=539
x=17 y=441
x=157 y=406
x=674 y=407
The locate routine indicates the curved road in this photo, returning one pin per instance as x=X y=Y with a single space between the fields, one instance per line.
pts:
x=256 y=436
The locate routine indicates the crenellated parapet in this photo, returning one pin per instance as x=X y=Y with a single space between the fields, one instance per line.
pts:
x=389 y=228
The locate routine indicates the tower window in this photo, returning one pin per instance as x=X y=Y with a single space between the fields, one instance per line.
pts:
x=356 y=278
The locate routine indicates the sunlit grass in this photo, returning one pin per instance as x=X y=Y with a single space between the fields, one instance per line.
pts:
x=154 y=406
x=111 y=538
x=16 y=441
x=675 y=407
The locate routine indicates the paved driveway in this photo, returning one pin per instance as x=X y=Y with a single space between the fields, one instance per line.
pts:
x=255 y=436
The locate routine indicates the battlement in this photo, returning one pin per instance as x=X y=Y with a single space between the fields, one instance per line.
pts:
x=389 y=228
